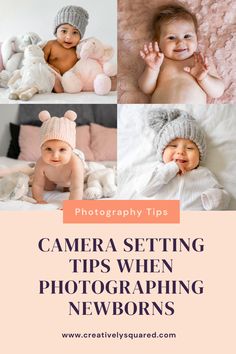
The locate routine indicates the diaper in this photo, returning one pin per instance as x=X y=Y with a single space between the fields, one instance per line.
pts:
x=80 y=154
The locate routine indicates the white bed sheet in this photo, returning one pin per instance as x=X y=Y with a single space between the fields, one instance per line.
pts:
x=82 y=97
x=54 y=198
x=137 y=156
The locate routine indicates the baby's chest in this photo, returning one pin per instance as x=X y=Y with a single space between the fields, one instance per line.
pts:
x=171 y=68
x=58 y=176
x=63 y=55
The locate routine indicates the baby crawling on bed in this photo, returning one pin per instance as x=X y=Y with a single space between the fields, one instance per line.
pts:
x=175 y=72
x=58 y=165
x=181 y=146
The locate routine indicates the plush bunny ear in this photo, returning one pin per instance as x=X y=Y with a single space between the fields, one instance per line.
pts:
x=70 y=115
x=7 y=50
x=44 y=115
x=160 y=117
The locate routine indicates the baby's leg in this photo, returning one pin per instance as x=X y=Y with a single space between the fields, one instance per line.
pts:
x=58 y=88
x=49 y=185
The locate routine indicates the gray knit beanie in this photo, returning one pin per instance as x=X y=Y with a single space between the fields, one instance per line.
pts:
x=73 y=15
x=172 y=124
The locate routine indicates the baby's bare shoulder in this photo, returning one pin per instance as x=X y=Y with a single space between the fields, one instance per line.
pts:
x=76 y=161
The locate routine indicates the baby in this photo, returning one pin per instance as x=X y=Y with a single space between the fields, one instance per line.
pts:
x=181 y=146
x=175 y=71
x=69 y=28
x=58 y=165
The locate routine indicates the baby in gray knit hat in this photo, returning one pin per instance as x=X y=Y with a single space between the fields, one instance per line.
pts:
x=181 y=146
x=69 y=28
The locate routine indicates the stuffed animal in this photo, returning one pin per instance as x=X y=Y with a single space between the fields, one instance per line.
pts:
x=100 y=182
x=93 y=70
x=15 y=186
x=34 y=77
x=12 y=54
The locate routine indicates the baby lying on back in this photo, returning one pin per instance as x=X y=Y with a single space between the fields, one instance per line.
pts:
x=175 y=71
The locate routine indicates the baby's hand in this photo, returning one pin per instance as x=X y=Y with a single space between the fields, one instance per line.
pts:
x=42 y=202
x=182 y=169
x=201 y=67
x=152 y=56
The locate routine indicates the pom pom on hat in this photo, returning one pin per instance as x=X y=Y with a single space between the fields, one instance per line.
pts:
x=172 y=124
x=54 y=128
x=44 y=115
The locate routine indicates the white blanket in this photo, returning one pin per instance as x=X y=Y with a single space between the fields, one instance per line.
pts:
x=54 y=198
x=82 y=97
x=137 y=156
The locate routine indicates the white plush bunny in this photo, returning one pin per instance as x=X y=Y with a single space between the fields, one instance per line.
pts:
x=12 y=54
x=34 y=77
x=13 y=50
x=100 y=182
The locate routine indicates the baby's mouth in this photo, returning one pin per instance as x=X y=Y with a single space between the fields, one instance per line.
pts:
x=180 y=50
x=181 y=160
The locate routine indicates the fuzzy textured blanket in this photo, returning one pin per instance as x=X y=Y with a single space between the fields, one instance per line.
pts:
x=217 y=39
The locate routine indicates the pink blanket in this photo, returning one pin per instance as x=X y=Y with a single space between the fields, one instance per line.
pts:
x=217 y=39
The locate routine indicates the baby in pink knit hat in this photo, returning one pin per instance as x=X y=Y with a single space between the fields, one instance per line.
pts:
x=58 y=164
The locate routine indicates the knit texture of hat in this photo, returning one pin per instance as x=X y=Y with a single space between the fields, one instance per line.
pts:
x=73 y=15
x=172 y=124
x=56 y=128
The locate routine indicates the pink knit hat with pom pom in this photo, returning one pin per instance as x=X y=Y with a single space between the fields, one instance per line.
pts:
x=54 y=128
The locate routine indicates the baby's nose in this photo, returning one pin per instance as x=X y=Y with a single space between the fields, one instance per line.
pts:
x=55 y=154
x=180 y=151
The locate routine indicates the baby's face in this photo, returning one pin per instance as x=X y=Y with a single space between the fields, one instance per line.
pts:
x=56 y=152
x=183 y=151
x=68 y=36
x=178 y=39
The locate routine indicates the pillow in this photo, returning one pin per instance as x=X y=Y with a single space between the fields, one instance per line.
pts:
x=97 y=142
x=29 y=141
x=103 y=142
x=14 y=148
x=83 y=141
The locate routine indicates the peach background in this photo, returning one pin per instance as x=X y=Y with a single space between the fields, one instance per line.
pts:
x=33 y=323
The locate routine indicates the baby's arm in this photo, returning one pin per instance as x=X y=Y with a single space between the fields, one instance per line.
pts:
x=206 y=76
x=153 y=59
x=216 y=197
x=162 y=175
x=47 y=53
x=77 y=179
x=38 y=183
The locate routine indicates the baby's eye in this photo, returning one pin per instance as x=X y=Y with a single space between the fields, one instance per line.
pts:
x=187 y=36
x=190 y=148
x=171 y=38
x=63 y=31
x=48 y=149
x=62 y=150
x=75 y=33
x=172 y=145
